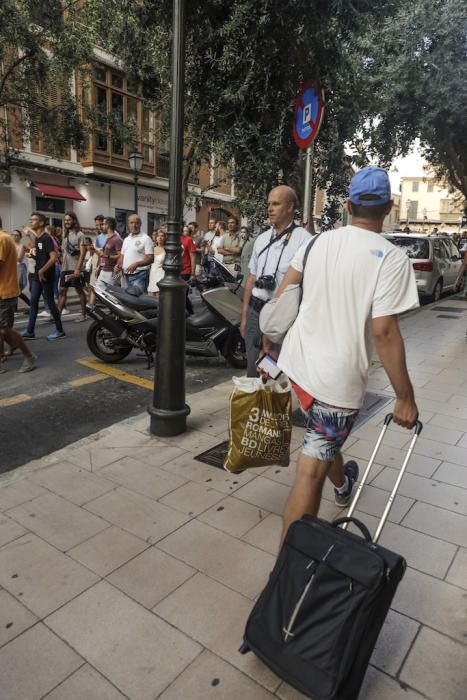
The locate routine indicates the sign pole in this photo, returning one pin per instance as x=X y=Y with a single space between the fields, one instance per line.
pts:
x=307 y=203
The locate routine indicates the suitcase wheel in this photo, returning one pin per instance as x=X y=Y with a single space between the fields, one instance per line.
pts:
x=244 y=649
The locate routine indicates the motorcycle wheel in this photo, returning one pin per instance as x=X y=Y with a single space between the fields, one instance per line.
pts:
x=236 y=356
x=96 y=339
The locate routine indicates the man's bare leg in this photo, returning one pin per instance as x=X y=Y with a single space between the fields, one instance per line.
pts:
x=336 y=471
x=305 y=495
x=14 y=340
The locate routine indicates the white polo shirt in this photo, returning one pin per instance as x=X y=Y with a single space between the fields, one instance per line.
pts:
x=281 y=253
x=134 y=249
x=352 y=276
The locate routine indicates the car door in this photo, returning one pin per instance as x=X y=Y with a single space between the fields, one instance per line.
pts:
x=452 y=264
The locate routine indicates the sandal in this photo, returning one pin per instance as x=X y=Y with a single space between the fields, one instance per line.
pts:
x=80 y=320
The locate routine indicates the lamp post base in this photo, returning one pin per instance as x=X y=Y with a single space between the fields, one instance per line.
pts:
x=165 y=423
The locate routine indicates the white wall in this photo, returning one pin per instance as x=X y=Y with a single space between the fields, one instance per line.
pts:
x=97 y=202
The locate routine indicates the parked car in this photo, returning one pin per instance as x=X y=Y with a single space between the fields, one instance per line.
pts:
x=436 y=262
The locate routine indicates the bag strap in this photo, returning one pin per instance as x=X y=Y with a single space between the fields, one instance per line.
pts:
x=307 y=252
x=287 y=232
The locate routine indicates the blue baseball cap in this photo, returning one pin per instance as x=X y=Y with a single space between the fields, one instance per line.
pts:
x=370 y=187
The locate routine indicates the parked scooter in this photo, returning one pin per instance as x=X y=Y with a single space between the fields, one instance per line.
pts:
x=125 y=319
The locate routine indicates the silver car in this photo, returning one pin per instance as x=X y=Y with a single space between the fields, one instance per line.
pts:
x=436 y=262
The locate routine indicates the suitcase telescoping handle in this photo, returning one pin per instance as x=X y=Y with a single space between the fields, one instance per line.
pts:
x=418 y=429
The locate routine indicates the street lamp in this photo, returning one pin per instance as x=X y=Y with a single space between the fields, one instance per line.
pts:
x=135 y=159
x=168 y=410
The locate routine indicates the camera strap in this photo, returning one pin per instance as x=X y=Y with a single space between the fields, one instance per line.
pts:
x=287 y=232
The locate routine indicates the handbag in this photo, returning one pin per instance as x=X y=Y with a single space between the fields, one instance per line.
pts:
x=278 y=315
x=260 y=424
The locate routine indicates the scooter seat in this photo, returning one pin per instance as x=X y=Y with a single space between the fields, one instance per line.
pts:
x=142 y=302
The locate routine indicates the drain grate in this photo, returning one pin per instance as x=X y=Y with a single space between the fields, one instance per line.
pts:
x=215 y=456
x=445 y=316
x=449 y=309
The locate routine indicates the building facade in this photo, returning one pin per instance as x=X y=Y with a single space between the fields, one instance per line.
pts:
x=427 y=202
x=100 y=180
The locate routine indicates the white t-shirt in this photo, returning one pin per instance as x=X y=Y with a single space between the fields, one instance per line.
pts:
x=281 y=251
x=134 y=249
x=352 y=275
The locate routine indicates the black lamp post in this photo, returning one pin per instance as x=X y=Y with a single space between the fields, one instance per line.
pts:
x=168 y=411
x=136 y=160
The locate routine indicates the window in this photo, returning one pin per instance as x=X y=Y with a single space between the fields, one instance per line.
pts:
x=117 y=104
x=430 y=187
x=155 y=221
x=50 y=204
x=163 y=154
x=415 y=186
x=219 y=214
x=121 y=217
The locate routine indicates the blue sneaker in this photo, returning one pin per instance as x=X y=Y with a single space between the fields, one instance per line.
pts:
x=26 y=334
x=351 y=471
x=56 y=335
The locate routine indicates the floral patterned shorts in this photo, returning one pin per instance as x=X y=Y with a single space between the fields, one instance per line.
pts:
x=327 y=428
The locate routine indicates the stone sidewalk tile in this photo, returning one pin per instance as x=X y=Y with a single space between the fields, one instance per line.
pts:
x=427 y=405
x=264 y=493
x=192 y=498
x=215 y=616
x=463 y=441
x=457 y=574
x=34 y=663
x=191 y=470
x=194 y=441
x=14 y=618
x=373 y=501
x=40 y=576
x=136 y=650
x=435 y=603
x=393 y=438
x=391 y=457
x=232 y=516
x=107 y=550
x=57 y=521
x=451 y=474
x=211 y=678
x=9 y=530
x=142 y=478
x=141 y=516
x=427 y=554
x=394 y=641
x=436 y=493
x=438 y=450
x=266 y=535
x=436 y=666
x=438 y=522
x=224 y=558
x=447 y=434
x=16 y=492
x=151 y=576
x=85 y=684
x=75 y=484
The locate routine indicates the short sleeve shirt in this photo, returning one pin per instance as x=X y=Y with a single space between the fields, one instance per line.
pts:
x=8 y=273
x=111 y=246
x=189 y=248
x=352 y=276
x=72 y=242
x=229 y=241
x=43 y=247
x=134 y=249
x=276 y=259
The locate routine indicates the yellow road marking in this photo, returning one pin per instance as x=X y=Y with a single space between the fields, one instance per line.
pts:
x=13 y=400
x=89 y=379
x=117 y=373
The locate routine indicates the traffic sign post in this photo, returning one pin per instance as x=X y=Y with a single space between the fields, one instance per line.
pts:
x=308 y=115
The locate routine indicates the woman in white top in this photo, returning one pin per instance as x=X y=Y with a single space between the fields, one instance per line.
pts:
x=157 y=273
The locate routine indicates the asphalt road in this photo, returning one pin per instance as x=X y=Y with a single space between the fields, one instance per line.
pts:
x=71 y=395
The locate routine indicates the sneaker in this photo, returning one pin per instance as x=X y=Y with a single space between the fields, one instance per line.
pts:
x=351 y=471
x=26 y=334
x=56 y=335
x=65 y=312
x=44 y=314
x=3 y=369
x=29 y=363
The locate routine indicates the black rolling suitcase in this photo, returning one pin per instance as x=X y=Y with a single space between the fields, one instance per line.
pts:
x=318 y=618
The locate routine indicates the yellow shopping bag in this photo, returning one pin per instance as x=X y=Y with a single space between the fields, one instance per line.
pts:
x=260 y=426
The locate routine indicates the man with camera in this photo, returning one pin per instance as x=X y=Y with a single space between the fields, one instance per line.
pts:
x=272 y=254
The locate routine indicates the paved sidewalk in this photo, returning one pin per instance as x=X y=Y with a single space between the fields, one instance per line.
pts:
x=127 y=569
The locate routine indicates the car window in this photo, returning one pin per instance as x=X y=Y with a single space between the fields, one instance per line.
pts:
x=440 y=249
x=417 y=248
x=454 y=250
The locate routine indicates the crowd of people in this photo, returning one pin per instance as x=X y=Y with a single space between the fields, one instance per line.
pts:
x=48 y=261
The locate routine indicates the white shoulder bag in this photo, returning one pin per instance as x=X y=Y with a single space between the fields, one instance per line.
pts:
x=278 y=315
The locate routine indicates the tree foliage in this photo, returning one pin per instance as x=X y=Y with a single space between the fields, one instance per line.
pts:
x=41 y=45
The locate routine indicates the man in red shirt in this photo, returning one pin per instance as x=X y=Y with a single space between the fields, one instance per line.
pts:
x=188 y=262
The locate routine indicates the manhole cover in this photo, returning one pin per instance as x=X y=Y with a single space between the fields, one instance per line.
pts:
x=215 y=456
x=445 y=316
x=450 y=309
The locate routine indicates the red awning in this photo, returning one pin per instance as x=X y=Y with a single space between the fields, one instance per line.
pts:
x=58 y=191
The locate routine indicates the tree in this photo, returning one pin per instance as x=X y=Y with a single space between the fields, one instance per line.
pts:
x=41 y=44
x=245 y=63
x=416 y=84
